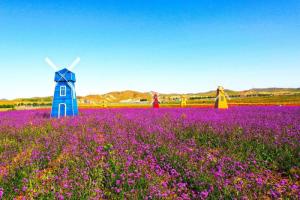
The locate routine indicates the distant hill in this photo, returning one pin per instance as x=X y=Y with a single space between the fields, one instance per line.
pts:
x=116 y=97
x=135 y=96
x=129 y=96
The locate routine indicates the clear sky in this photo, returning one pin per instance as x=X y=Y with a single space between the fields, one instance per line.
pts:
x=161 y=45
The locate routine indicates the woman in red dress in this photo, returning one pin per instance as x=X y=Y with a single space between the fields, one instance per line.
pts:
x=155 y=101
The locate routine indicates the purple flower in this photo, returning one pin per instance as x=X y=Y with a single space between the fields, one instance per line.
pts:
x=61 y=197
x=130 y=182
x=66 y=185
x=181 y=185
x=99 y=149
x=159 y=151
x=24 y=188
x=294 y=187
x=259 y=181
x=118 y=182
x=1 y=193
x=174 y=173
x=274 y=194
x=185 y=196
x=204 y=194
x=164 y=184
x=283 y=182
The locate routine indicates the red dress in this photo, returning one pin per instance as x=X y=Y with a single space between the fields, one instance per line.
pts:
x=155 y=101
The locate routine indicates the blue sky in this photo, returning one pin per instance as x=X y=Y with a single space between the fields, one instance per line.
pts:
x=162 y=45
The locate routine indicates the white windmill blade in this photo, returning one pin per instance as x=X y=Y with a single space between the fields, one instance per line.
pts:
x=75 y=62
x=51 y=64
x=73 y=90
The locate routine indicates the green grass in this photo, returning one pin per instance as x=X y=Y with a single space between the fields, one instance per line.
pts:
x=281 y=158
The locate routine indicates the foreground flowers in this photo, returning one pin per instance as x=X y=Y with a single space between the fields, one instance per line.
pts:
x=243 y=152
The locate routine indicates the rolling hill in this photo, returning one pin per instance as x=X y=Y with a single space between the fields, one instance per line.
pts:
x=255 y=95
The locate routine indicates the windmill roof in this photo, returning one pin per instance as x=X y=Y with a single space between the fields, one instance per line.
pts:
x=64 y=75
x=64 y=70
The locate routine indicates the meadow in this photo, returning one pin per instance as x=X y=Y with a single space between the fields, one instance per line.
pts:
x=167 y=153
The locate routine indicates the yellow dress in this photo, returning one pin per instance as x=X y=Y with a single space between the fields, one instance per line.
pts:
x=221 y=102
x=183 y=102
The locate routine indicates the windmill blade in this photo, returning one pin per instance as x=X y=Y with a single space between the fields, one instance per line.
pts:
x=51 y=64
x=73 y=90
x=75 y=62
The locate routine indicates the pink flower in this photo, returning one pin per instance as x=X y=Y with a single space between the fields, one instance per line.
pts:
x=164 y=184
x=204 y=194
x=24 y=188
x=283 y=182
x=294 y=187
x=130 y=182
x=1 y=193
x=259 y=181
x=61 y=197
x=185 y=196
x=99 y=149
x=65 y=185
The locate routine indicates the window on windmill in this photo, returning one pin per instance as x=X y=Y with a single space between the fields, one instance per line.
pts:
x=63 y=91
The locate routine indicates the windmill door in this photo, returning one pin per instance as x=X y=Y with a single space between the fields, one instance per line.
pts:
x=62 y=110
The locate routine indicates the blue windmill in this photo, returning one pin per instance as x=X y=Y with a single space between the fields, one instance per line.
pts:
x=64 y=99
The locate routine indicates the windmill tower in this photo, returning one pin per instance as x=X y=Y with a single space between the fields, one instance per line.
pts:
x=183 y=101
x=221 y=102
x=64 y=99
x=155 y=103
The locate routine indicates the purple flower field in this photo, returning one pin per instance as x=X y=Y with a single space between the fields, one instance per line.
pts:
x=192 y=153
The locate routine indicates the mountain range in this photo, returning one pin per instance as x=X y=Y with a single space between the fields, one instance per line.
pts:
x=129 y=96
x=135 y=96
